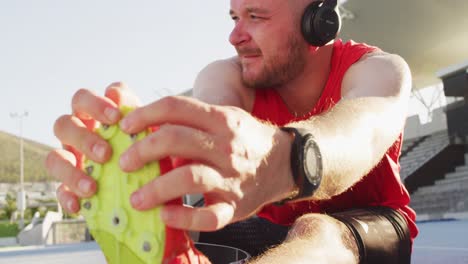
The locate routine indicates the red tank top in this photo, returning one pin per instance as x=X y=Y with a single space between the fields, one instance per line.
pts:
x=381 y=187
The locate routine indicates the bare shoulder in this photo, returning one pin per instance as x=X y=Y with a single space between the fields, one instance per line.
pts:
x=377 y=74
x=220 y=83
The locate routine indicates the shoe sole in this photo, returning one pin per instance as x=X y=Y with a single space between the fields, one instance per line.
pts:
x=124 y=234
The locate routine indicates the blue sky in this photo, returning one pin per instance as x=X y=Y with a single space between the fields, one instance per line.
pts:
x=49 y=49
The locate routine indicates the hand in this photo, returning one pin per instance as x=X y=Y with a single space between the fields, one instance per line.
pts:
x=239 y=163
x=75 y=133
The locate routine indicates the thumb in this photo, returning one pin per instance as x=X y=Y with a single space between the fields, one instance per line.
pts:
x=122 y=95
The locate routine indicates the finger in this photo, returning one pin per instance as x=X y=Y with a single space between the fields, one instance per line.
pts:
x=189 y=179
x=79 y=157
x=86 y=105
x=120 y=94
x=171 y=140
x=68 y=200
x=210 y=218
x=61 y=165
x=173 y=109
x=71 y=131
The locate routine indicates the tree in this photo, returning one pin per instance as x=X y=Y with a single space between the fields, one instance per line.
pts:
x=10 y=206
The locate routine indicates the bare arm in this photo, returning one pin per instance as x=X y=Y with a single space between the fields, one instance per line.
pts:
x=357 y=132
x=219 y=83
x=237 y=156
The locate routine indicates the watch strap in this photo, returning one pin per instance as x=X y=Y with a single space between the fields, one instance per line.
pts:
x=302 y=140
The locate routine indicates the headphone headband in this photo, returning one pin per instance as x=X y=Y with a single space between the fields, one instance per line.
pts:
x=330 y=3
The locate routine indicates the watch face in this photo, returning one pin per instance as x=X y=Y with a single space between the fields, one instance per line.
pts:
x=310 y=163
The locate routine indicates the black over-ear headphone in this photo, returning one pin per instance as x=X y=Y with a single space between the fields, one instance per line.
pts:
x=320 y=22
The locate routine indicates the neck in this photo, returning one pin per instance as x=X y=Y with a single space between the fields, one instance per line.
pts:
x=302 y=93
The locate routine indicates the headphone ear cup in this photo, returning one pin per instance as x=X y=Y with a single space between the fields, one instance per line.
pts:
x=320 y=24
x=307 y=23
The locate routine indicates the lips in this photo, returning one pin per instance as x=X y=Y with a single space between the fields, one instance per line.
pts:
x=249 y=56
x=245 y=57
x=248 y=53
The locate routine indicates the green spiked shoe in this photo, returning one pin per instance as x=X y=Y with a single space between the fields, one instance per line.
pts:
x=124 y=234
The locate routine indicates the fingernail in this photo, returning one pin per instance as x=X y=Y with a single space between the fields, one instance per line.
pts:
x=99 y=150
x=136 y=199
x=84 y=185
x=70 y=206
x=112 y=114
x=123 y=161
x=125 y=124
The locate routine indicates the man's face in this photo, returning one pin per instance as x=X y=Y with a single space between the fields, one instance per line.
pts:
x=267 y=38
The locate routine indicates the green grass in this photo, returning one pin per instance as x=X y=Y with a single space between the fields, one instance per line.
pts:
x=8 y=230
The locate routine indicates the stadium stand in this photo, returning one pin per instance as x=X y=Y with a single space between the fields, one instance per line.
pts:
x=434 y=166
x=447 y=195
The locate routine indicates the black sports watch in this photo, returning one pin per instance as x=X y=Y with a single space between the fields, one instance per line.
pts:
x=306 y=163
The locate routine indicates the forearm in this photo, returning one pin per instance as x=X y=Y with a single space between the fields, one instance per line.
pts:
x=297 y=251
x=304 y=251
x=353 y=137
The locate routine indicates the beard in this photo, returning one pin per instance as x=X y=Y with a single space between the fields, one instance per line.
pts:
x=278 y=69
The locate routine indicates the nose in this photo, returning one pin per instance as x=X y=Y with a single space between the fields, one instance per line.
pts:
x=238 y=35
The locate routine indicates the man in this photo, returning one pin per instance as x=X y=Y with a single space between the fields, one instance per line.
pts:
x=341 y=105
